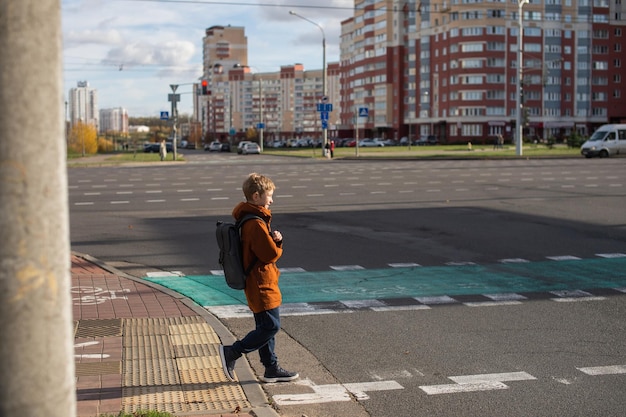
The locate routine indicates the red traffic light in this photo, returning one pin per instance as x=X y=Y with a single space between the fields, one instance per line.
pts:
x=205 y=83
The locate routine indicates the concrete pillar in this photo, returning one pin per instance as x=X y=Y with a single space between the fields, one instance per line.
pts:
x=36 y=333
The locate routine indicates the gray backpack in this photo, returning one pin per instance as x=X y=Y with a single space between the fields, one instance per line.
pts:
x=231 y=258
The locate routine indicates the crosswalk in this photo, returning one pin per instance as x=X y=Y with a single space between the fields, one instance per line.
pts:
x=352 y=288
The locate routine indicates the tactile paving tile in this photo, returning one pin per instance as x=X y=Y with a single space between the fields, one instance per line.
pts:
x=150 y=372
x=98 y=328
x=199 y=362
x=145 y=347
x=186 y=351
x=192 y=339
x=191 y=328
x=202 y=376
x=98 y=368
x=164 y=398
x=216 y=396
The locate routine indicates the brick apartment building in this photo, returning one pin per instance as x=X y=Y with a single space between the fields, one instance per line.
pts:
x=436 y=67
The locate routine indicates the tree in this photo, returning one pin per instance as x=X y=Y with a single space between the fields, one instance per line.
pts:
x=83 y=139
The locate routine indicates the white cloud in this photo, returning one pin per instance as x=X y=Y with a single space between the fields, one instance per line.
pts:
x=132 y=50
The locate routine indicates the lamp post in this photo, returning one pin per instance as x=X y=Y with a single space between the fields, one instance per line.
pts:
x=324 y=92
x=520 y=66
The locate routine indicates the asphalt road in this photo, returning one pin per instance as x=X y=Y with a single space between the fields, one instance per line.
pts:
x=533 y=358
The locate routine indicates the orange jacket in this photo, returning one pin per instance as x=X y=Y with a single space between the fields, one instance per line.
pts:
x=261 y=290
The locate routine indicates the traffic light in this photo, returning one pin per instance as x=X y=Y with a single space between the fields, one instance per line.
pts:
x=205 y=88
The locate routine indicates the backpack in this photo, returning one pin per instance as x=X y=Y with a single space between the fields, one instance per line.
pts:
x=231 y=258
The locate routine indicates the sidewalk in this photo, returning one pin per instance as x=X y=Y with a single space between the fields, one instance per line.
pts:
x=142 y=347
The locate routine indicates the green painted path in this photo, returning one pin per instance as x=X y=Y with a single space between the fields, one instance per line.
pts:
x=328 y=286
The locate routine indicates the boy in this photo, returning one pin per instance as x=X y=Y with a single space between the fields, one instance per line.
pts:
x=262 y=247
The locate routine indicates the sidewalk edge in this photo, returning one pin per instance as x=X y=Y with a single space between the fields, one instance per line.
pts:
x=247 y=378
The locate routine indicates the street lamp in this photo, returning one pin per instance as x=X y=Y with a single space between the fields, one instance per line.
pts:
x=324 y=92
x=518 y=110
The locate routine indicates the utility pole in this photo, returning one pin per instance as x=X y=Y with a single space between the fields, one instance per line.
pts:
x=36 y=333
x=174 y=98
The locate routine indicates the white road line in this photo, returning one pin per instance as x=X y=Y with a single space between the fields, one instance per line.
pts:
x=346 y=267
x=120 y=202
x=219 y=198
x=403 y=265
x=473 y=383
x=564 y=258
x=492 y=303
x=123 y=192
x=604 y=370
x=611 y=255
x=156 y=201
x=154 y=192
x=456 y=388
x=189 y=199
x=86 y=203
x=96 y=193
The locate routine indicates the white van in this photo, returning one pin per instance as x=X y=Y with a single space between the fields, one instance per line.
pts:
x=606 y=141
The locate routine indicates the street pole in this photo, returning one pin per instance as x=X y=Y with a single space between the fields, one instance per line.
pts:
x=37 y=371
x=260 y=115
x=174 y=99
x=324 y=73
x=520 y=66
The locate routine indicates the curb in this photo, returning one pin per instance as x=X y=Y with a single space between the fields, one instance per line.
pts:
x=247 y=379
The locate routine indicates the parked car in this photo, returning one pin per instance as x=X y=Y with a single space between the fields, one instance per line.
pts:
x=215 y=146
x=390 y=142
x=427 y=140
x=155 y=147
x=371 y=143
x=190 y=145
x=250 y=148
x=225 y=147
x=241 y=145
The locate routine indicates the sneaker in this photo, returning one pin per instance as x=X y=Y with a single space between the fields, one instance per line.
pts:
x=278 y=374
x=228 y=358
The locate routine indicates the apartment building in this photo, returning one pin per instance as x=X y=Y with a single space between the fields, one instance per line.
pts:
x=243 y=100
x=114 y=121
x=449 y=67
x=83 y=105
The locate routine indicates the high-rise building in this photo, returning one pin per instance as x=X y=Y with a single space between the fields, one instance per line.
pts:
x=449 y=68
x=283 y=102
x=114 y=121
x=83 y=105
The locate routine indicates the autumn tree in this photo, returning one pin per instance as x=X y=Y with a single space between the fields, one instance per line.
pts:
x=83 y=139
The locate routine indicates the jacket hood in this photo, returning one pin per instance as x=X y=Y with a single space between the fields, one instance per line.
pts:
x=244 y=208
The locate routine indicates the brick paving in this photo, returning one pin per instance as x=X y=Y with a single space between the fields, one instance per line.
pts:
x=103 y=302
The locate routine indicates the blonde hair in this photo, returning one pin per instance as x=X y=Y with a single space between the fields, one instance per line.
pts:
x=256 y=183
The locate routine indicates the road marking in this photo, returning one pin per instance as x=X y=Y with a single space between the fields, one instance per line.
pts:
x=404 y=265
x=87 y=203
x=346 y=267
x=334 y=392
x=564 y=258
x=611 y=255
x=474 y=383
x=604 y=370
x=120 y=202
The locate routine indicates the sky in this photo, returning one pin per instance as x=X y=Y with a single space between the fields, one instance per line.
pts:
x=132 y=50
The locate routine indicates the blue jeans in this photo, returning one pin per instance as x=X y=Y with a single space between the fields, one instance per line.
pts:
x=262 y=337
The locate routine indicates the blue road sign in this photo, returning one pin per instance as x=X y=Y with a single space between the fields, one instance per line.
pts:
x=364 y=112
x=324 y=107
x=165 y=115
x=260 y=125
x=324 y=124
x=324 y=115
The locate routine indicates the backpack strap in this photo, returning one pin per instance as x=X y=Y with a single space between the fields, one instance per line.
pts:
x=239 y=225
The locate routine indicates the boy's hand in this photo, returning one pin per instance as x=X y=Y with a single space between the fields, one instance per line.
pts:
x=276 y=236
